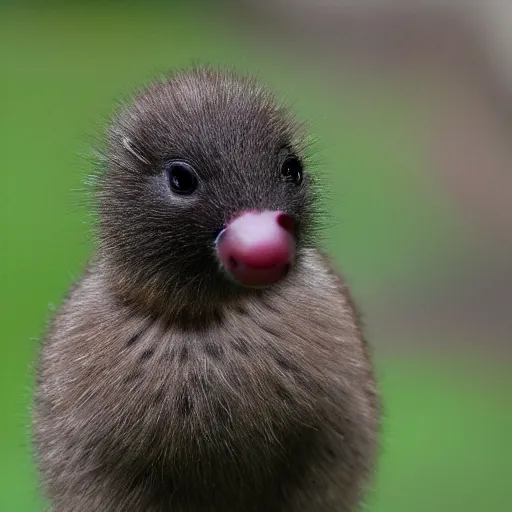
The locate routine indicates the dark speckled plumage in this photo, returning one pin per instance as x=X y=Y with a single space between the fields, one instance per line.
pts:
x=163 y=386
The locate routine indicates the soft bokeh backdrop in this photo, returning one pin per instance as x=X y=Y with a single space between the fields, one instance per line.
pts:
x=411 y=109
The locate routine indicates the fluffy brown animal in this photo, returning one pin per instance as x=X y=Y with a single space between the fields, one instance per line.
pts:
x=209 y=359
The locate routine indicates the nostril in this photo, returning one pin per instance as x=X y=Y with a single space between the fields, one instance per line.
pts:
x=287 y=222
x=232 y=262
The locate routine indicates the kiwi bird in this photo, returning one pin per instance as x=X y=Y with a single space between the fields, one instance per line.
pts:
x=209 y=358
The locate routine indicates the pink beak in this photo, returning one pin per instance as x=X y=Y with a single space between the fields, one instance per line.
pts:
x=258 y=248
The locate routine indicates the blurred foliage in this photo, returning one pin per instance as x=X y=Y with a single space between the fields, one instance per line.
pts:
x=63 y=68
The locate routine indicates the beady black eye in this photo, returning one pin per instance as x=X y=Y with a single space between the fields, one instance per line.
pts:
x=291 y=170
x=182 y=178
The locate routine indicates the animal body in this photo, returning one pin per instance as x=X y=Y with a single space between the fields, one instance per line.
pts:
x=210 y=358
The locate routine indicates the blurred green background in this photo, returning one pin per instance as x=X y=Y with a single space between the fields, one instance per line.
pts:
x=395 y=228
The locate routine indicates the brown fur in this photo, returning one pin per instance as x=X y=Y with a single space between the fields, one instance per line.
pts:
x=165 y=387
